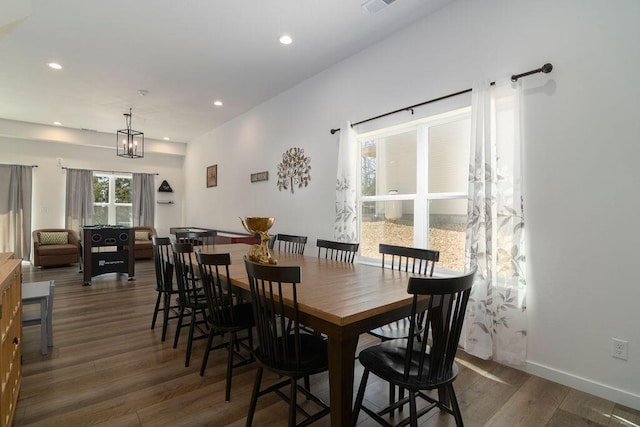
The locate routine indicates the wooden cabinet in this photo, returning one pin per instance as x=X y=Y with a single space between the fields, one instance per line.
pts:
x=10 y=336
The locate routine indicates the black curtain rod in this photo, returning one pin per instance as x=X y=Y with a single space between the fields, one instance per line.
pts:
x=99 y=170
x=546 y=68
x=6 y=164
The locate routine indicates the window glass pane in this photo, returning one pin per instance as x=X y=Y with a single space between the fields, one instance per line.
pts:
x=368 y=165
x=449 y=157
x=101 y=189
x=123 y=215
x=388 y=222
x=113 y=198
x=123 y=190
x=388 y=164
x=447 y=219
x=101 y=216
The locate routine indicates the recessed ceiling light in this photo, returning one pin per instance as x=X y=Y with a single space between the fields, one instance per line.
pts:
x=55 y=65
x=217 y=103
x=166 y=138
x=286 y=39
x=57 y=123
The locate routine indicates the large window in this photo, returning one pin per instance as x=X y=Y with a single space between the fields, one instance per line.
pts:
x=413 y=187
x=113 y=198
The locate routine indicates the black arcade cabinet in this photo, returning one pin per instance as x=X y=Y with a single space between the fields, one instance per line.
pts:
x=107 y=249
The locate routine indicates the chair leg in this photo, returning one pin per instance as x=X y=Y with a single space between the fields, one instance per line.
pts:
x=293 y=405
x=360 y=396
x=180 y=316
x=412 y=408
x=155 y=310
x=443 y=395
x=167 y=309
x=307 y=384
x=232 y=342
x=192 y=326
x=207 y=350
x=254 y=396
x=454 y=406
x=392 y=396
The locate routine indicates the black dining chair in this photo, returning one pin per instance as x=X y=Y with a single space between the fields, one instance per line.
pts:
x=226 y=314
x=289 y=243
x=164 y=283
x=283 y=350
x=414 y=260
x=339 y=251
x=425 y=364
x=191 y=299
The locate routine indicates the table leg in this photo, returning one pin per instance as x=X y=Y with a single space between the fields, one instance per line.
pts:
x=43 y=325
x=50 y=314
x=342 y=352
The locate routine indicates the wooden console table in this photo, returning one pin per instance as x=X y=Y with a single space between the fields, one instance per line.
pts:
x=10 y=335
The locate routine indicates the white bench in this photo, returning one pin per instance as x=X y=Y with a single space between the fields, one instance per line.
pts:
x=40 y=293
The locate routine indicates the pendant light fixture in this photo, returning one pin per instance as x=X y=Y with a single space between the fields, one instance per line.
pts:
x=129 y=142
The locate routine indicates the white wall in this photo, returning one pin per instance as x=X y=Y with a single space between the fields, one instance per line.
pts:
x=580 y=130
x=49 y=179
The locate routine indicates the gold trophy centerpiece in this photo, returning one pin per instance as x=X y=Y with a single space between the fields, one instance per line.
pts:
x=259 y=225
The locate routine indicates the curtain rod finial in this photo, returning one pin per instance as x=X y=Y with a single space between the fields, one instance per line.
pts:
x=333 y=131
x=546 y=68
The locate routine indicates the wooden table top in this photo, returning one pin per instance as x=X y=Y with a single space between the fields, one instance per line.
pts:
x=337 y=292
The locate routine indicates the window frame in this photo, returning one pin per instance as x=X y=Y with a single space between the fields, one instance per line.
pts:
x=422 y=196
x=111 y=204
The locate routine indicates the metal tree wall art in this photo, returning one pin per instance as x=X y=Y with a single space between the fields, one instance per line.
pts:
x=294 y=169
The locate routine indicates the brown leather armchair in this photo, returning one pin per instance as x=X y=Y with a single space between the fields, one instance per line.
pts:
x=143 y=246
x=51 y=246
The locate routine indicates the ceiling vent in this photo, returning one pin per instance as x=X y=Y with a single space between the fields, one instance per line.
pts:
x=374 y=6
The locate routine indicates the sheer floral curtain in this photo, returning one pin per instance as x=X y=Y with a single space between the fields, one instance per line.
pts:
x=346 y=222
x=496 y=322
x=79 y=204
x=144 y=200
x=16 y=186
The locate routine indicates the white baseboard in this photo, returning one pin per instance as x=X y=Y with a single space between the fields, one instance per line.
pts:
x=604 y=391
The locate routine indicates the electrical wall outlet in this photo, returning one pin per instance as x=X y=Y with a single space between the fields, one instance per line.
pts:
x=619 y=349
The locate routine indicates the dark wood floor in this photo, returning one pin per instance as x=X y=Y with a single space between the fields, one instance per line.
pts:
x=107 y=367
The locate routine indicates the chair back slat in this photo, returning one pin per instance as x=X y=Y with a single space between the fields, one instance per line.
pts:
x=197 y=238
x=448 y=297
x=279 y=342
x=218 y=293
x=162 y=260
x=338 y=251
x=290 y=243
x=414 y=260
x=183 y=261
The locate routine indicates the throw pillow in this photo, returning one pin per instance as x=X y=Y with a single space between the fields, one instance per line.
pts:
x=142 y=235
x=54 y=237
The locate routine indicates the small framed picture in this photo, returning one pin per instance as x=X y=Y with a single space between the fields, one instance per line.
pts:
x=212 y=176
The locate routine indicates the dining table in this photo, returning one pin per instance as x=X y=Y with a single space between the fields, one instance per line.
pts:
x=339 y=299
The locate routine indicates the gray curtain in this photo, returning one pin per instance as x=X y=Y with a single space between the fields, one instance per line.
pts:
x=79 y=206
x=144 y=195
x=15 y=209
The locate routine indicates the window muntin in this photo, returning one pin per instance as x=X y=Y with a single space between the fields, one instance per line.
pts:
x=113 y=199
x=413 y=187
